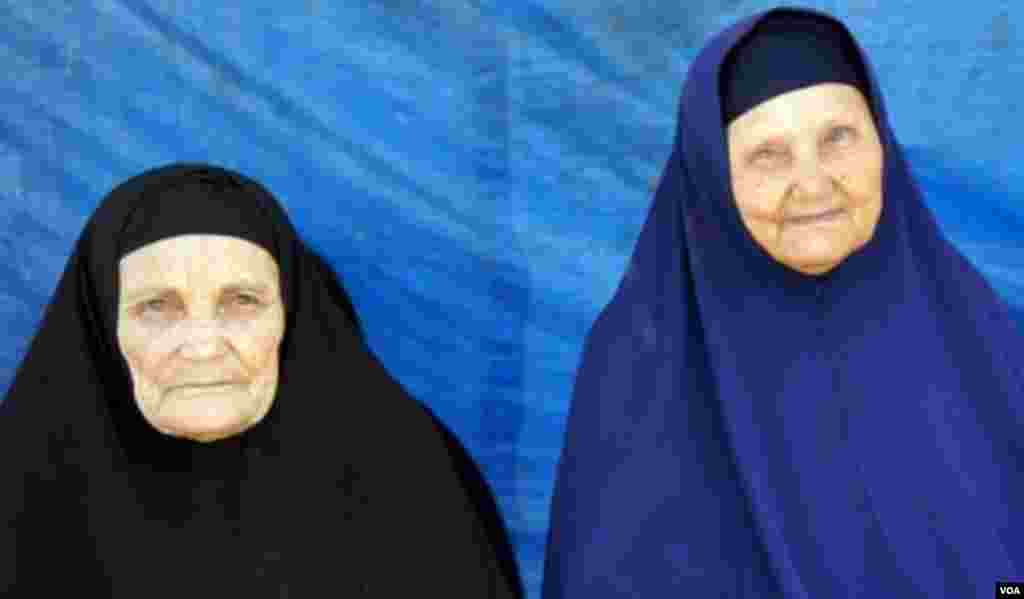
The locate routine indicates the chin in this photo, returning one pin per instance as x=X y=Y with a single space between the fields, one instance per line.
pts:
x=816 y=258
x=202 y=432
x=815 y=264
x=814 y=270
x=219 y=420
x=213 y=437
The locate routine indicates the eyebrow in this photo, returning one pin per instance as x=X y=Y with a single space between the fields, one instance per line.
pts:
x=134 y=295
x=257 y=288
x=844 y=121
x=771 y=141
x=783 y=139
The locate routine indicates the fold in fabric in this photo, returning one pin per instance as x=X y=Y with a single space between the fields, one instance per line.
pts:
x=345 y=488
x=740 y=430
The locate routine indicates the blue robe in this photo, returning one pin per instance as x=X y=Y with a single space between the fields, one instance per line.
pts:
x=738 y=429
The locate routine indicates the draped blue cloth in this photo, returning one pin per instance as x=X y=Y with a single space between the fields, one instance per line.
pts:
x=476 y=173
x=740 y=430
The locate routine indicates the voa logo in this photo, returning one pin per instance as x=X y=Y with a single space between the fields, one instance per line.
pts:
x=1009 y=590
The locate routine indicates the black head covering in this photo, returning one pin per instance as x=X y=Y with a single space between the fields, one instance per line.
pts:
x=787 y=52
x=343 y=489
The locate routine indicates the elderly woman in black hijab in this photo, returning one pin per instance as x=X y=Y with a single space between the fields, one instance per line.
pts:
x=800 y=389
x=198 y=417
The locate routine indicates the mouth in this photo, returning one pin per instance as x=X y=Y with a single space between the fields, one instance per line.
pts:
x=811 y=219
x=205 y=387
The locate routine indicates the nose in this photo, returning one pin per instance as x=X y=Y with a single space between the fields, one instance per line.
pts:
x=812 y=183
x=202 y=340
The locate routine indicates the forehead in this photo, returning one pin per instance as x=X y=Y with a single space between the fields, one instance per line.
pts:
x=803 y=109
x=197 y=260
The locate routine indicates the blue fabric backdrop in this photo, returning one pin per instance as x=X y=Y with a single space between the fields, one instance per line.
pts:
x=476 y=171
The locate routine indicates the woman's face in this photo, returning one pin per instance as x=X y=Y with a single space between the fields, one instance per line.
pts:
x=200 y=322
x=806 y=172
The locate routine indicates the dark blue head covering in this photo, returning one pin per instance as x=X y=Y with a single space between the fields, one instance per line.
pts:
x=739 y=429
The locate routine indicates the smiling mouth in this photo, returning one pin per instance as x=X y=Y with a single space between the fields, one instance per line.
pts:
x=811 y=219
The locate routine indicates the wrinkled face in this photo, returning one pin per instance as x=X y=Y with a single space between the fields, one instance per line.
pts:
x=200 y=322
x=806 y=172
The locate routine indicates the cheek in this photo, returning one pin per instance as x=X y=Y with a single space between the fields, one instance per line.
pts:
x=757 y=197
x=861 y=176
x=863 y=184
x=257 y=344
x=143 y=351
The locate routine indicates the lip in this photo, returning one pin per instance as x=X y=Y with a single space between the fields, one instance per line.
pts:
x=811 y=219
x=205 y=387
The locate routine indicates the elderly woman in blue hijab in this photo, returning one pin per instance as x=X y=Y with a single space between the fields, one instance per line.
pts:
x=800 y=389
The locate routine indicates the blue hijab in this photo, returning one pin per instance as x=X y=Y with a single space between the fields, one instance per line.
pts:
x=738 y=429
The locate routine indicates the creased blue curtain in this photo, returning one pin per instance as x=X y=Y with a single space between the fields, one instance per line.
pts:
x=476 y=171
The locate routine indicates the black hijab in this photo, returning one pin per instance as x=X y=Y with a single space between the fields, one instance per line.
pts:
x=345 y=488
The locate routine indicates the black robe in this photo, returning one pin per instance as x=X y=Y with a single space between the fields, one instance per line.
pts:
x=346 y=488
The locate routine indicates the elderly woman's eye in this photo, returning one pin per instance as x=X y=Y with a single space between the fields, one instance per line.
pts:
x=840 y=135
x=157 y=308
x=767 y=156
x=154 y=305
x=246 y=301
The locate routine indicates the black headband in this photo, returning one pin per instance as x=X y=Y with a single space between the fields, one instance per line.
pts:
x=783 y=53
x=200 y=200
